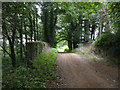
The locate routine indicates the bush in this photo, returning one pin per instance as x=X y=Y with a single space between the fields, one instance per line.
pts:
x=45 y=63
x=66 y=50
x=46 y=60
x=110 y=44
x=105 y=41
x=23 y=77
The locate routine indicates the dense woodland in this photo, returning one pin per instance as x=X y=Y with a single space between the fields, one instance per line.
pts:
x=53 y=22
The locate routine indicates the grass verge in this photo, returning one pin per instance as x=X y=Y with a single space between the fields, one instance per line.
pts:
x=86 y=54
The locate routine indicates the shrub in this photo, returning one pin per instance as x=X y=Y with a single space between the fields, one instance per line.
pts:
x=46 y=60
x=110 y=44
x=105 y=41
x=45 y=63
x=66 y=50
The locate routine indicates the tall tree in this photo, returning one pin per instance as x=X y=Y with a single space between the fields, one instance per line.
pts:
x=49 y=19
x=10 y=35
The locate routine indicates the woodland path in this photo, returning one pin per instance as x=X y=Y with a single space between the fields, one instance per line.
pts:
x=76 y=71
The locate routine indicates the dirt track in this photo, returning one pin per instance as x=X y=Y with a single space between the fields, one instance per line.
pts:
x=77 y=71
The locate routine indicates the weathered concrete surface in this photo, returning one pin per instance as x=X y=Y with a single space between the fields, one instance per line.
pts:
x=34 y=49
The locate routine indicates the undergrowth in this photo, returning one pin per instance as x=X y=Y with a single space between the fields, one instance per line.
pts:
x=86 y=54
x=24 y=77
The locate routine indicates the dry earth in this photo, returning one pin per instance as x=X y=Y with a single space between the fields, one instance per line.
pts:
x=76 y=71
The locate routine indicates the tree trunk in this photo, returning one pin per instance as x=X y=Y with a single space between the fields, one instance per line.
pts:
x=74 y=44
x=21 y=42
x=70 y=44
x=26 y=40
x=51 y=30
x=70 y=37
x=11 y=36
x=75 y=37
x=13 y=55
x=86 y=30
x=100 y=26
x=45 y=25
x=37 y=27
x=13 y=39
x=4 y=44
x=106 y=18
x=31 y=26
x=34 y=28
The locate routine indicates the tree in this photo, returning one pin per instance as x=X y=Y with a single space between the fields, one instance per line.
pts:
x=14 y=27
x=10 y=35
x=49 y=19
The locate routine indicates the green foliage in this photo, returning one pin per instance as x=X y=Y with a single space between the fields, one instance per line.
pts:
x=105 y=40
x=46 y=59
x=66 y=50
x=19 y=20
x=6 y=63
x=45 y=63
x=62 y=44
x=49 y=19
x=24 y=77
x=110 y=44
x=70 y=23
x=114 y=11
